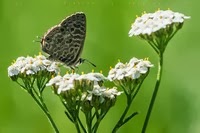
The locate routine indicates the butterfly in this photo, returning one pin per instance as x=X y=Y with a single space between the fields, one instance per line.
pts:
x=65 y=41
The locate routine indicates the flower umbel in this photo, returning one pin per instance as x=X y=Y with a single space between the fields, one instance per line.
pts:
x=32 y=74
x=135 y=69
x=86 y=93
x=129 y=77
x=31 y=67
x=158 y=28
x=31 y=70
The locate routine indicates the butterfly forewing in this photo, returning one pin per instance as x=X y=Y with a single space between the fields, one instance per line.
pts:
x=65 y=41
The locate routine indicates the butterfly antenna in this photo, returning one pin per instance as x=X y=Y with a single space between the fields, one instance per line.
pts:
x=83 y=60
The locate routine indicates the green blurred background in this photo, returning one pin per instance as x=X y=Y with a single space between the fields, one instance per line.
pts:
x=177 y=108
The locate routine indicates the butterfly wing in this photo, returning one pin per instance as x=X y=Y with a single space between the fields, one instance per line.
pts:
x=65 y=41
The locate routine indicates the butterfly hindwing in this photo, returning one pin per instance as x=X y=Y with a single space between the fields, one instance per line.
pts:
x=65 y=41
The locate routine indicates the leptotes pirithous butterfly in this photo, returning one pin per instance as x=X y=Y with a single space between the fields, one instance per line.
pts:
x=64 y=42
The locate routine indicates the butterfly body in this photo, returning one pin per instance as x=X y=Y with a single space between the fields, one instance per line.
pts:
x=64 y=42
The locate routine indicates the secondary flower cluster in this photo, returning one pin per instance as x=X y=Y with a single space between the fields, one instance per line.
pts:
x=131 y=70
x=158 y=28
x=25 y=66
x=85 y=88
x=152 y=22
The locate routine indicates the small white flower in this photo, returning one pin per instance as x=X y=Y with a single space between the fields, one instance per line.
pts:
x=45 y=62
x=38 y=65
x=133 y=62
x=40 y=57
x=20 y=59
x=133 y=73
x=67 y=82
x=97 y=90
x=111 y=74
x=147 y=27
x=144 y=65
x=29 y=60
x=13 y=70
x=84 y=77
x=111 y=93
x=97 y=76
x=120 y=65
x=179 y=17
x=28 y=69
x=56 y=80
x=69 y=76
x=65 y=85
x=53 y=67
x=92 y=77
x=30 y=72
x=120 y=74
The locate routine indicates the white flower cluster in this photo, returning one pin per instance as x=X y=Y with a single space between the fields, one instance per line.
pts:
x=68 y=82
x=132 y=70
x=103 y=92
x=30 y=66
x=152 y=22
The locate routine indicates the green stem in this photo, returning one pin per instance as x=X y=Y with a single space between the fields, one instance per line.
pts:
x=76 y=120
x=89 y=121
x=99 y=119
x=130 y=98
x=153 y=98
x=46 y=112
x=77 y=126
x=81 y=124
x=119 y=123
